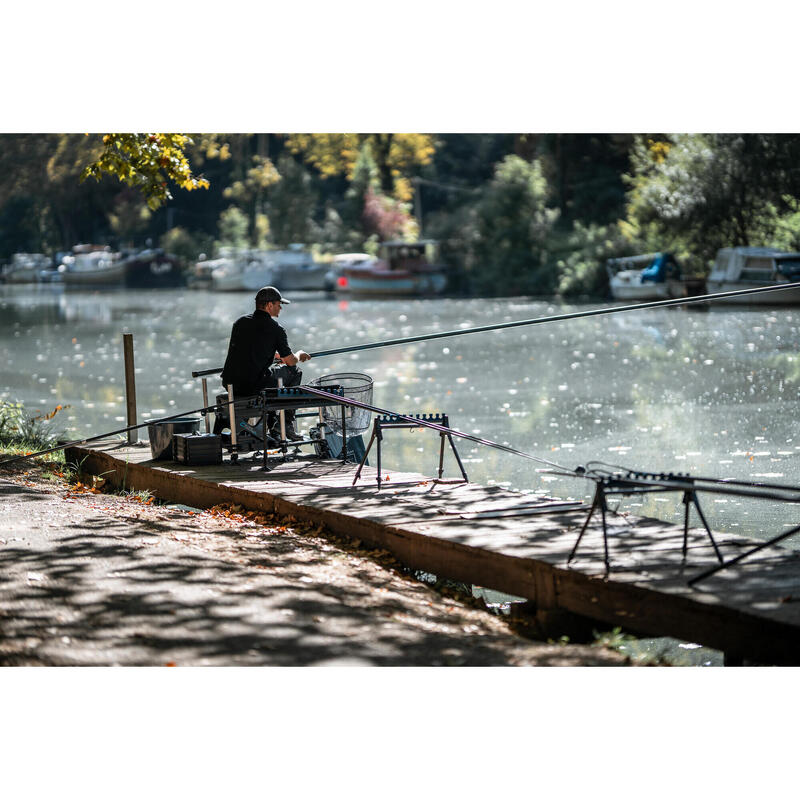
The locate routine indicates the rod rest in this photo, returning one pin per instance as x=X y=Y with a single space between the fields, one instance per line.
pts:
x=392 y=419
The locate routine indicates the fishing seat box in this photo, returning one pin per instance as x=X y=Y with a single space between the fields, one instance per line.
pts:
x=196 y=449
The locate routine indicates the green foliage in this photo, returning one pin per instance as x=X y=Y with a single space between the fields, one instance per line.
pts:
x=580 y=260
x=233 y=228
x=614 y=639
x=130 y=214
x=291 y=203
x=396 y=155
x=365 y=178
x=701 y=192
x=514 y=224
x=146 y=161
x=185 y=245
x=20 y=430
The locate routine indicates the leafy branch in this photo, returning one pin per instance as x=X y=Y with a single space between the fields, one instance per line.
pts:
x=147 y=161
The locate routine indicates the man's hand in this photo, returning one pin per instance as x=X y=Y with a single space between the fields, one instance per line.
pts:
x=302 y=355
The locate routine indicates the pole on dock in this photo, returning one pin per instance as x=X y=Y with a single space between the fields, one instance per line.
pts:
x=130 y=386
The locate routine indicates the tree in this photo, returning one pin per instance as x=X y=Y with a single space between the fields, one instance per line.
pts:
x=146 y=161
x=291 y=203
x=396 y=155
x=233 y=228
x=700 y=192
x=514 y=224
x=42 y=172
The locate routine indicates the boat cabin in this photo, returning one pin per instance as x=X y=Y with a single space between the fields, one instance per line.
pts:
x=410 y=256
x=755 y=265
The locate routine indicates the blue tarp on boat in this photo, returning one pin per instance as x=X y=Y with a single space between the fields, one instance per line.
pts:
x=662 y=267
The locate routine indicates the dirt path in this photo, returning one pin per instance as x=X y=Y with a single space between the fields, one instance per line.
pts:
x=96 y=579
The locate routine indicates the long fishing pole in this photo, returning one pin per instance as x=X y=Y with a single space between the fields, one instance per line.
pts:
x=538 y=321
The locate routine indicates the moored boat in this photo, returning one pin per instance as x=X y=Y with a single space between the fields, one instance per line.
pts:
x=152 y=268
x=751 y=267
x=652 y=276
x=288 y=270
x=92 y=265
x=200 y=275
x=25 y=267
x=226 y=276
x=341 y=262
x=403 y=269
x=295 y=270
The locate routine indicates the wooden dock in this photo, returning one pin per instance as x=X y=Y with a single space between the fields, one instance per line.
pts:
x=511 y=542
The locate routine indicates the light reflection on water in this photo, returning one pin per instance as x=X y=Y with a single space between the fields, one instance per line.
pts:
x=709 y=392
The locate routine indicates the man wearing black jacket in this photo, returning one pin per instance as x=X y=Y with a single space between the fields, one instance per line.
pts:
x=259 y=354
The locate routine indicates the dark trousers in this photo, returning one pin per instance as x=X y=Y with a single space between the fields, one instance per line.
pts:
x=292 y=376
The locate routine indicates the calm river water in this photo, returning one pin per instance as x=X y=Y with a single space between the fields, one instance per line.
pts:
x=713 y=392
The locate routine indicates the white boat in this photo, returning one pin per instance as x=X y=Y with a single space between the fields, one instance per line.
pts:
x=652 y=276
x=25 y=267
x=226 y=276
x=751 y=267
x=200 y=276
x=92 y=265
x=404 y=269
x=288 y=270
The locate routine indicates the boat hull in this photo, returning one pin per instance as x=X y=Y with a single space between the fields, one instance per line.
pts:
x=786 y=297
x=642 y=291
x=625 y=286
x=391 y=283
x=22 y=275
x=113 y=275
x=160 y=271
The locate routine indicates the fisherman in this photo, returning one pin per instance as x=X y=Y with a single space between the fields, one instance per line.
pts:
x=259 y=354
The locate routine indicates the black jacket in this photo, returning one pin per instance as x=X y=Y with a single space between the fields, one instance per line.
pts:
x=255 y=338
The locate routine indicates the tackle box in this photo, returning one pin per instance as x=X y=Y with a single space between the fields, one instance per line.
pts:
x=196 y=449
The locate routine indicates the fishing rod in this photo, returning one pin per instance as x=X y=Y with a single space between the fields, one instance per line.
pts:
x=75 y=442
x=428 y=424
x=538 y=321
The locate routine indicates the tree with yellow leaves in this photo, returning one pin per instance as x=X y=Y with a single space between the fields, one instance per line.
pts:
x=147 y=161
x=396 y=155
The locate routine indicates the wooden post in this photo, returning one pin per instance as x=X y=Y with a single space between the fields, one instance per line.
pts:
x=130 y=386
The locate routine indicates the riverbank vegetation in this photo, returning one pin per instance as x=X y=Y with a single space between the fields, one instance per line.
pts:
x=23 y=432
x=514 y=213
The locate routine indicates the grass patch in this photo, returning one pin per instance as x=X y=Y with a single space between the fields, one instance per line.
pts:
x=23 y=433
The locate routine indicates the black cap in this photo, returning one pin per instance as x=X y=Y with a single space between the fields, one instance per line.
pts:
x=269 y=294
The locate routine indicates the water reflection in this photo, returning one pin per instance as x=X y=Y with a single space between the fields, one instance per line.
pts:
x=713 y=393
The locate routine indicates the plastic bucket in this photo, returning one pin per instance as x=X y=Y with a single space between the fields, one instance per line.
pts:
x=356 y=386
x=160 y=434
